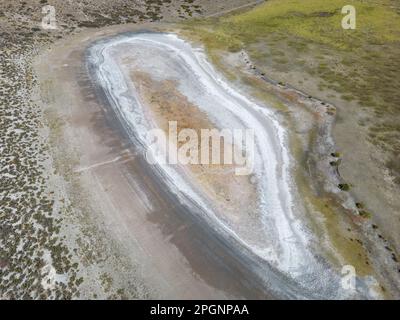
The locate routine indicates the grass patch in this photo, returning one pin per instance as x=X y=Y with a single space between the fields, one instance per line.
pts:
x=317 y=21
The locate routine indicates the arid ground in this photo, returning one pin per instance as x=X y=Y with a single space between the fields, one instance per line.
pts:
x=82 y=216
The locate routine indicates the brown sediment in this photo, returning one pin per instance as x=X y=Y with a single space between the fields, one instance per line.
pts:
x=165 y=104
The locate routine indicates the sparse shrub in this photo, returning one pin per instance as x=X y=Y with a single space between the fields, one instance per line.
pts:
x=365 y=214
x=359 y=205
x=344 y=186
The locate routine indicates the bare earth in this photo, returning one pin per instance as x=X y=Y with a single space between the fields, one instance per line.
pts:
x=111 y=230
x=111 y=171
